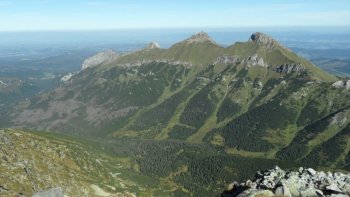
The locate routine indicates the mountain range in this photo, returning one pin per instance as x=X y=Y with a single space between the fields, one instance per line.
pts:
x=201 y=112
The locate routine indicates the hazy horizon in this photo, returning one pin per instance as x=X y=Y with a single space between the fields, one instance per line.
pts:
x=44 y=15
x=168 y=36
x=310 y=28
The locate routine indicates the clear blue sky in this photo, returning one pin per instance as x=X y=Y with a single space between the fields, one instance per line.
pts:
x=17 y=15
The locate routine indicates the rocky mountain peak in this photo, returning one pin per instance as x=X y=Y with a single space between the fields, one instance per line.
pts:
x=200 y=37
x=264 y=39
x=153 y=45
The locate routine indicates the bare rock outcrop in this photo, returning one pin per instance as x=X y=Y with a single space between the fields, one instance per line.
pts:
x=342 y=85
x=255 y=60
x=288 y=68
x=261 y=38
x=99 y=58
x=53 y=192
x=153 y=45
x=200 y=37
x=226 y=59
x=67 y=77
x=304 y=182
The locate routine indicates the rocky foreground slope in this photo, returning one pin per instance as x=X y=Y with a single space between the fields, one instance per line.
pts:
x=33 y=165
x=304 y=182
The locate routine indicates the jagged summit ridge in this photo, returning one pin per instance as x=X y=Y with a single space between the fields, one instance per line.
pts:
x=200 y=37
x=264 y=39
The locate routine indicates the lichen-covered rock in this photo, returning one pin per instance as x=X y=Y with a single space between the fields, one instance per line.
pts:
x=283 y=190
x=304 y=182
x=53 y=192
x=256 y=193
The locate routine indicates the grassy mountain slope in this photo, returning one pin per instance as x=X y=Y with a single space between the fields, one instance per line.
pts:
x=47 y=163
x=35 y=161
x=252 y=101
x=195 y=91
x=13 y=89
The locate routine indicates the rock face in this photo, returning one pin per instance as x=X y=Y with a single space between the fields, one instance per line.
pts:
x=153 y=45
x=200 y=37
x=54 y=192
x=99 y=58
x=263 y=39
x=288 y=68
x=3 y=83
x=226 y=59
x=148 y=61
x=304 y=182
x=255 y=60
x=67 y=77
x=342 y=84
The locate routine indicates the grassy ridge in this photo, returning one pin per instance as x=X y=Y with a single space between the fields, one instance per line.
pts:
x=195 y=114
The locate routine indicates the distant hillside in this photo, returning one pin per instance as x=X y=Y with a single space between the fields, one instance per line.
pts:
x=13 y=90
x=340 y=67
